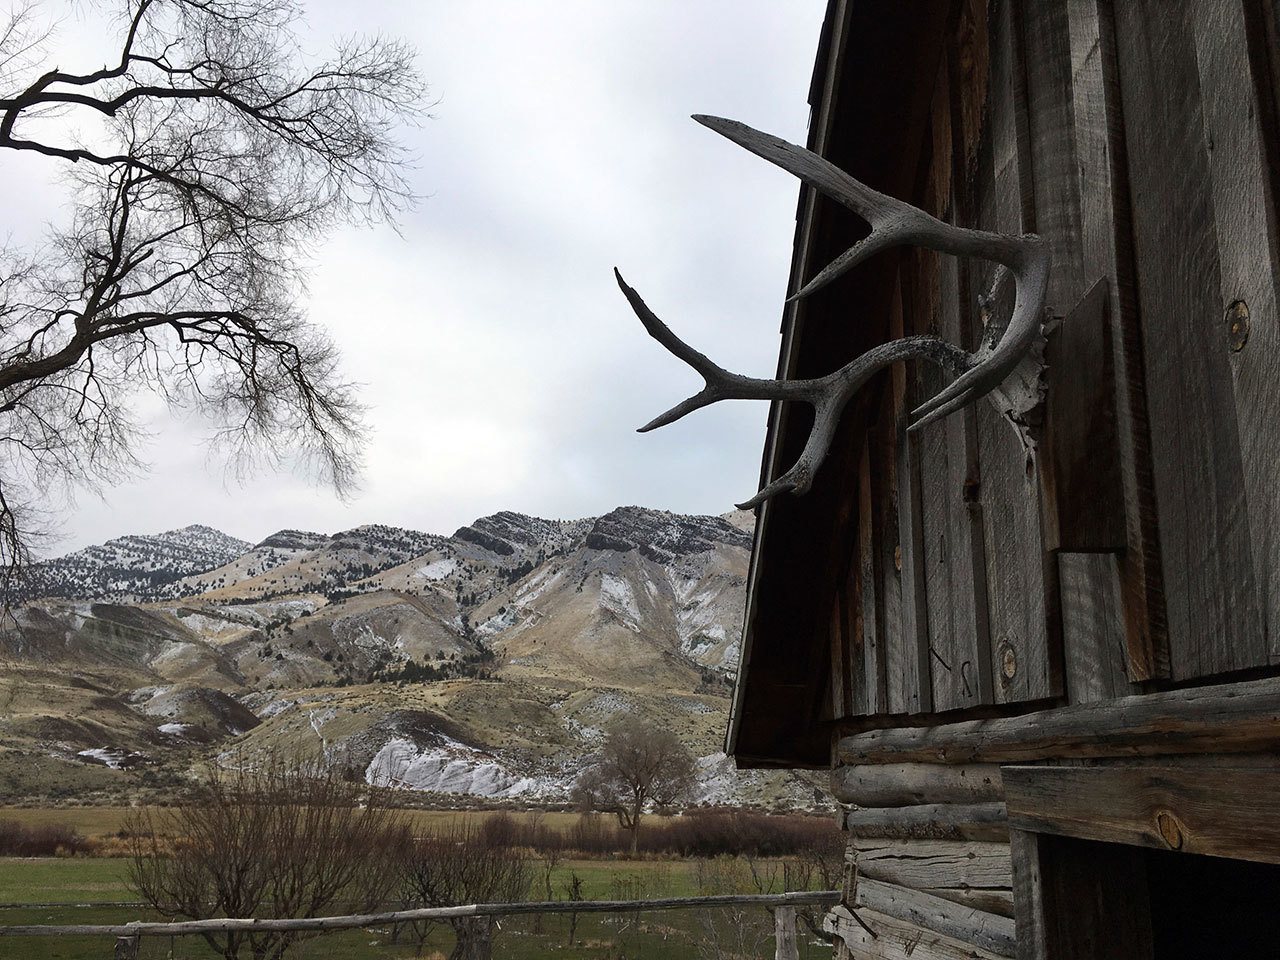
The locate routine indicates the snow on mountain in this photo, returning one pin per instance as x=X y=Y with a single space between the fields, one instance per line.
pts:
x=135 y=567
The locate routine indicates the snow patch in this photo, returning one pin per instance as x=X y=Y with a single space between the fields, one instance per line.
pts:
x=436 y=569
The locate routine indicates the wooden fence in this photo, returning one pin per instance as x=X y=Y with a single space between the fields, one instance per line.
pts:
x=128 y=936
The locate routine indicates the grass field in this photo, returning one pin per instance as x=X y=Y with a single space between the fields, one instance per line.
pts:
x=641 y=936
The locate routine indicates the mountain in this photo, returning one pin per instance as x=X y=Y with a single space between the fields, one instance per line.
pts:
x=141 y=567
x=482 y=664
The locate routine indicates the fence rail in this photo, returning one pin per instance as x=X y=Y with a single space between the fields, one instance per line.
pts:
x=128 y=935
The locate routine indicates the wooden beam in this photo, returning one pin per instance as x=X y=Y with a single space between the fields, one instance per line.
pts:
x=1226 y=718
x=969 y=872
x=987 y=931
x=877 y=936
x=930 y=821
x=1217 y=809
x=904 y=784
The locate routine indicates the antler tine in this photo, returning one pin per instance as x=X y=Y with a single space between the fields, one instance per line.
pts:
x=894 y=222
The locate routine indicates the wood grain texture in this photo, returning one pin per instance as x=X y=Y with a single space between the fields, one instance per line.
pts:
x=1080 y=460
x=1023 y=667
x=1079 y=901
x=950 y=869
x=1219 y=810
x=915 y=694
x=784 y=934
x=1212 y=600
x=1093 y=637
x=1224 y=718
x=1244 y=214
x=868 y=609
x=884 y=532
x=988 y=931
x=1106 y=250
x=904 y=784
x=930 y=821
x=888 y=938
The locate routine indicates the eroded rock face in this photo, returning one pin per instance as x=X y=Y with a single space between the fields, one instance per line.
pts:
x=663 y=537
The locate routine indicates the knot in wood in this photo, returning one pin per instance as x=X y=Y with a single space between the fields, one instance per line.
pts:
x=1237 y=325
x=1170 y=829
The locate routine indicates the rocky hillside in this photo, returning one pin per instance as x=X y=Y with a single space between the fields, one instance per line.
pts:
x=482 y=664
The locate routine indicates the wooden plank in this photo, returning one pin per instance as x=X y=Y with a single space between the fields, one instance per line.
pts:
x=877 y=936
x=987 y=931
x=904 y=784
x=951 y=869
x=784 y=934
x=1211 y=593
x=1023 y=666
x=1106 y=250
x=869 y=615
x=1080 y=477
x=930 y=821
x=915 y=695
x=1093 y=637
x=1226 y=718
x=1080 y=901
x=885 y=530
x=1219 y=810
x=838 y=679
x=1244 y=213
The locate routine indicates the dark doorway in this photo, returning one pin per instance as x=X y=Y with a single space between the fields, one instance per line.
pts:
x=1205 y=907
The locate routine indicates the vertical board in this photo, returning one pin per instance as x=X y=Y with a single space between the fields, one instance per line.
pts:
x=1215 y=620
x=1080 y=461
x=909 y=668
x=1019 y=581
x=1106 y=250
x=884 y=506
x=870 y=616
x=1093 y=638
x=959 y=657
x=1244 y=215
x=838 y=701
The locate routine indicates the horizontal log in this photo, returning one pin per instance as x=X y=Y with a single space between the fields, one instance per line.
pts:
x=877 y=936
x=352 y=921
x=1227 y=718
x=988 y=931
x=960 y=871
x=1218 y=810
x=905 y=784
x=930 y=821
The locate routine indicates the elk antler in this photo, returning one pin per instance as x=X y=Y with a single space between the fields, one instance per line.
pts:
x=1024 y=258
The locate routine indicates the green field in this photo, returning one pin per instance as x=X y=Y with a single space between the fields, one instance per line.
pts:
x=639 y=936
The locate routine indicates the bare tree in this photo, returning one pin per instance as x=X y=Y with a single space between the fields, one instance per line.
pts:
x=638 y=765
x=283 y=841
x=462 y=866
x=212 y=156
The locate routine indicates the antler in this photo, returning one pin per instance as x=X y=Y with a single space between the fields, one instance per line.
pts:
x=1024 y=258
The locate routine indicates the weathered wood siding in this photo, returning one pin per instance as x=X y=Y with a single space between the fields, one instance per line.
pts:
x=1141 y=542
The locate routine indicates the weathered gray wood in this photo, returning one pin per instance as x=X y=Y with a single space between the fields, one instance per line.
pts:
x=1244 y=214
x=784 y=934
x=1093 y=637
x=904 y=784
x=1106 y=249
x=126 y=948
x=352 y=921
x=987 y=931
x=885 y=532
x=945 y=868
x=1080 y=901
x=887 y=938
x=839 y=695
x=1022 y=665
x=930 y=821
x=1080 y=478
x=914 y=693
x=1226 y=718
x=1212 y=600
x=867 y=610
x=1218 y=810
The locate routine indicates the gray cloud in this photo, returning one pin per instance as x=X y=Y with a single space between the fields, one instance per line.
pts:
x=502 y=367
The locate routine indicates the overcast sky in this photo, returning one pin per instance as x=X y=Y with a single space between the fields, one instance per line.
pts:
x=502 y=367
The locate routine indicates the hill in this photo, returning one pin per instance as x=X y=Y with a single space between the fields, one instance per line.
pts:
x=484 y=664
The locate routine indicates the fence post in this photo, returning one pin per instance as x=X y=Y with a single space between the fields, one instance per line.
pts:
x=126 y=948
x=784 y=934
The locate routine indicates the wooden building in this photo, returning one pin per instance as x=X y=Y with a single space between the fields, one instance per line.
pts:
x=1045 y=680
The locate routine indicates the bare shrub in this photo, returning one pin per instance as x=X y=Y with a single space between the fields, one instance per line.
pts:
x=281 y=841
x=43 y=840
x=462 y=865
